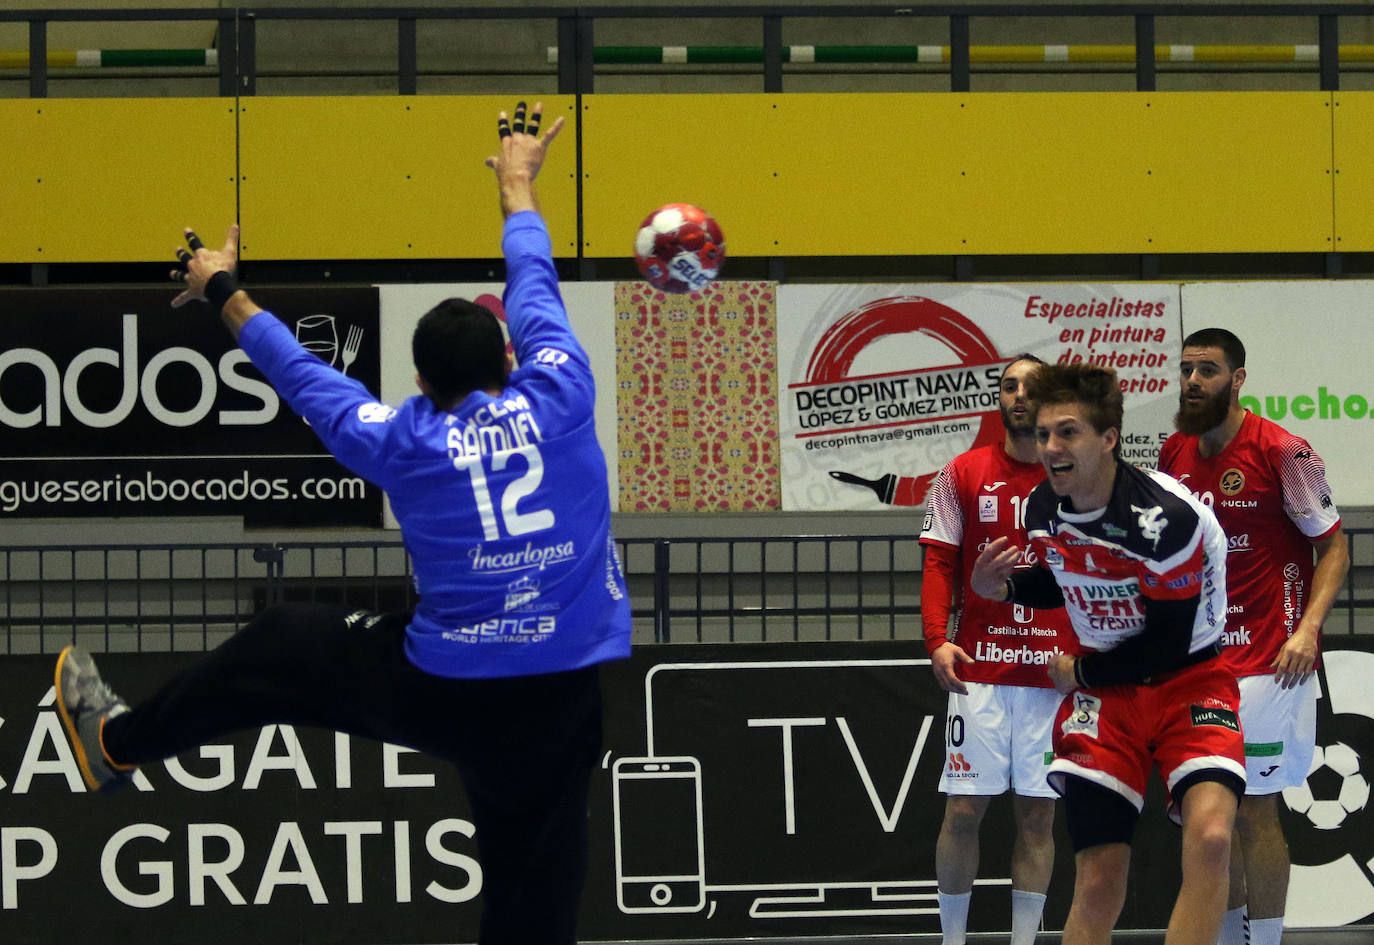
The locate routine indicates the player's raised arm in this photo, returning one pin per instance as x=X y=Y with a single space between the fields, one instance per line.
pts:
x=212 y=276
x=521 y=156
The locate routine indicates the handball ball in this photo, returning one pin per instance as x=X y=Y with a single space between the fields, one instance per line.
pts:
x=679 y=248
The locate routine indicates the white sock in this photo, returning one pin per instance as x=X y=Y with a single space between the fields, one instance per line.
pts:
x=954 y=916
x=1266 y=931
x=1026 y=909
x=1232 y=927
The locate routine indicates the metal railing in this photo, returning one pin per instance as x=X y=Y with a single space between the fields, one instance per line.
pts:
x=725 y=590
x=576 y=26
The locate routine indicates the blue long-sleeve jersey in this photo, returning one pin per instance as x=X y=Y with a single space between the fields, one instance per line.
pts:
x=502 y=501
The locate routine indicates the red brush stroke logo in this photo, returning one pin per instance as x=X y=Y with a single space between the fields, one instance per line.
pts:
x=845 y=340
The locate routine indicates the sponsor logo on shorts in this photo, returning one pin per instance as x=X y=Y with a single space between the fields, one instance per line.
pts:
x=957 y=768
x=1219 y=718
x=1263 y=749
x=1269 y=770
x=1083 y=719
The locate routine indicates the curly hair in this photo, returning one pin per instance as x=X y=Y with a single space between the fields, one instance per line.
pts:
x=1093 y=386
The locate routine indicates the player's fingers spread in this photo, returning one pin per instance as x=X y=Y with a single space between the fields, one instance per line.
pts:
x=552 y=131
x=193 y=241
x=503 y=125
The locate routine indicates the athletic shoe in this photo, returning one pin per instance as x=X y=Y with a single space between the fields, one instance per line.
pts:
x=85 y=702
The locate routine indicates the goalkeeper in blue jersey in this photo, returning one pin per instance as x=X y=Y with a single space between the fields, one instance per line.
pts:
x=499 y=485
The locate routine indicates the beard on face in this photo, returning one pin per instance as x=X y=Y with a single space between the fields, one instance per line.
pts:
x=1017 y=426
x=1197 y=419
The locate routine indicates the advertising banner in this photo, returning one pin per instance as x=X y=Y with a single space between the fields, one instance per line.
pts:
x=746 y=791
x=1303 y=371
x=697 y=387
x=114 y=404
x=880 y=386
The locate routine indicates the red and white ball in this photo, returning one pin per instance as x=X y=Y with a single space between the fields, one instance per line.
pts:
x=679 y=248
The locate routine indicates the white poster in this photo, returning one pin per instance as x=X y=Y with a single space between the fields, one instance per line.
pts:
x=591 y=311
x=1305 y=369
x=881 y=385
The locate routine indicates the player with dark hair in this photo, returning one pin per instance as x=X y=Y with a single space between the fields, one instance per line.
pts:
x=503 y=685
x=1269 y=491
x=1139 y=563
x=992 y=664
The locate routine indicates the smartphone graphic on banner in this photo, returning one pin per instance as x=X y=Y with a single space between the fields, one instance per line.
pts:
x=659 y=856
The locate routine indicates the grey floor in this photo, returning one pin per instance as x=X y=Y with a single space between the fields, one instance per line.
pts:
x=1347 y=935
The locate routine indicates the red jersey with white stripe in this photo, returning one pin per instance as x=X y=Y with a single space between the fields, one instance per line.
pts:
x=1152 y=540
x=979 y=496
x=1268 y=489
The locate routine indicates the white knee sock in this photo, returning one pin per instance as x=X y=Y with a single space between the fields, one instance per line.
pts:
x=1026 y=909
x=954 y=917
x=1233 y=927
x=1266 y=931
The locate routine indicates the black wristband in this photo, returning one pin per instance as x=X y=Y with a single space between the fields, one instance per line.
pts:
x=1011 y=591
x=217 y=291
x=1078 y=672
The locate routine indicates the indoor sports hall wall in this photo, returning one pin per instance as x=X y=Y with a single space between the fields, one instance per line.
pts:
x=746 y=397
x=803 y=175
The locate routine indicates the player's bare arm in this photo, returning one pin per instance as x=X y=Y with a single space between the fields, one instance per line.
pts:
x=945 y=662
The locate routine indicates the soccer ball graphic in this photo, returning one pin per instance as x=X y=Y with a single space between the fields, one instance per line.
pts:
x=1335 y=787
x=679 y=248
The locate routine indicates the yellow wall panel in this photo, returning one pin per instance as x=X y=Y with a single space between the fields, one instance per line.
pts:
x=1353 y=146
x=1035 y=173
x=716 y=151
x=388 y=177
x=988 y=173
x=790 y=175
x=111 y=180
x=867 y=174
x=1240 y=172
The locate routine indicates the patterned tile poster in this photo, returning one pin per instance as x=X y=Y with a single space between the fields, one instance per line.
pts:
x=697 y=408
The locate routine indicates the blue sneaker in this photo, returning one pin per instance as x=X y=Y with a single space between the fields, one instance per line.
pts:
x=85 y=702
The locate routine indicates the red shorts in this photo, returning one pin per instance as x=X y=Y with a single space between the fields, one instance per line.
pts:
x=1185 y=722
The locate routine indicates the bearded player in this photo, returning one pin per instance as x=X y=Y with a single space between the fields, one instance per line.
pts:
x=992 y=664
x=1269 y=491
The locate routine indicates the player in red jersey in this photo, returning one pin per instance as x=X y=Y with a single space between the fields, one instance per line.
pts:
x=1139 y=564
x=1001 y=702
x=1269 y=491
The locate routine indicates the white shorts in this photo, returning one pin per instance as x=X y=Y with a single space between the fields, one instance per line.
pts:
x=998 y=737
x=1280 y=729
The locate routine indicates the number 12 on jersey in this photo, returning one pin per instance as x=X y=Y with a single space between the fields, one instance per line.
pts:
x=515 y=521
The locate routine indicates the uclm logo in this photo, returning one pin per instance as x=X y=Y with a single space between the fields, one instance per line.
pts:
x=100 y=387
